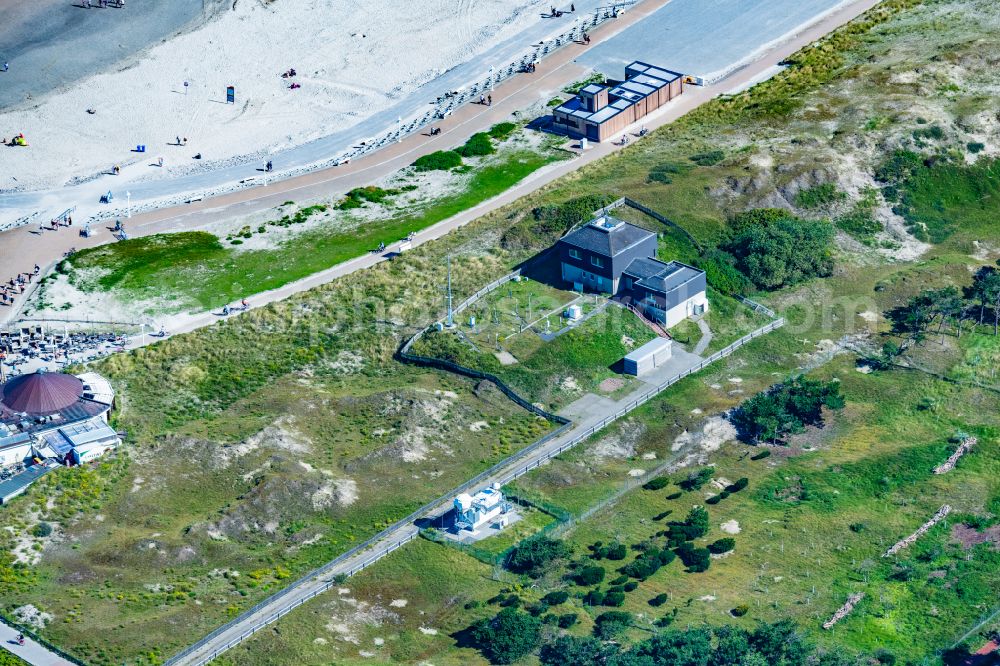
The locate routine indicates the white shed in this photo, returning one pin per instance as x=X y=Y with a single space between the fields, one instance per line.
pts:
x=647 y=357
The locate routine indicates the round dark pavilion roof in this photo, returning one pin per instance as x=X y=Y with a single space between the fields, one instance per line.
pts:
x=41 y=392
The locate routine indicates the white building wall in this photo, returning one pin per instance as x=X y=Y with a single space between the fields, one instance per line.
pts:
x=681 y=311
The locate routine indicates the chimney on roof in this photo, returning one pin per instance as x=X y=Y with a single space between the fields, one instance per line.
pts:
x=594 y=97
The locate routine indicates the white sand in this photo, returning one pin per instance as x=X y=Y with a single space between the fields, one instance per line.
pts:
x=352 y=58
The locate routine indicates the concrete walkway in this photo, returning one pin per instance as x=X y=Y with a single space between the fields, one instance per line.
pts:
x=23 y=247
x=31 y=652
x=706 y=336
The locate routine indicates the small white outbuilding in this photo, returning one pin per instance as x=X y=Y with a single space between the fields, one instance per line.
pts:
x=651 y=355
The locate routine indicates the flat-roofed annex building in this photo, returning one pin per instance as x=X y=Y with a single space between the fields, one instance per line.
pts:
x=598 y=111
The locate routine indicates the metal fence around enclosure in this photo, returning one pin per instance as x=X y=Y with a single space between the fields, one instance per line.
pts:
x=427 y=508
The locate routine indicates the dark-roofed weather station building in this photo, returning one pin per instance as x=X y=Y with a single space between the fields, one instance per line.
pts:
x=49 y=419
x=599 y=111
x=611 y=256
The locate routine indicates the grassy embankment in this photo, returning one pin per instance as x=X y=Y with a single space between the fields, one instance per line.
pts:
x=198 y=270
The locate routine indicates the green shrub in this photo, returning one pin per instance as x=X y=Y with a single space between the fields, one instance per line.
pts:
x=673 y=496
x=760 y=456
x=714 y=499
x=568 y=620
x=708 y=158
x=818 y=196
x=739 y=485
x=975 y=147
x=478 y=145
x=631 y=586
x=556 y=597
x=41 y=530
x=786 y=409
x=612 y=623
x=502 y=131
x=784 y=252
x=659 y=483
x=614 y=598
x=723 y=545
x=740 y=610
x=531 y=556
x=933 y=132
x=508 y=636
x=441 y=160
x=695 y=559
x=593 y=598
x=857 y=528
x=589 y=575
x=659 y=600
x=696 y=479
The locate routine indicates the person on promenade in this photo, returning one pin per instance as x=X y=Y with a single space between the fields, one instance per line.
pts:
x=6 y=66
x=489 y=100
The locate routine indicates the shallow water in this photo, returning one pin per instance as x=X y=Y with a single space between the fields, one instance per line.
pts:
x=52 y=43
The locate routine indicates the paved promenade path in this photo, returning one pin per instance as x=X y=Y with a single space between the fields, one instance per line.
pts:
x=21 y=248
x=32 y=652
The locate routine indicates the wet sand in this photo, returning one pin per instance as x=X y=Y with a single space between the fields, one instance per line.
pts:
x=52 y=43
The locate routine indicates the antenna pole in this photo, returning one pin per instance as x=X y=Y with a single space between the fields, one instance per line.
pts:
x=450 y=323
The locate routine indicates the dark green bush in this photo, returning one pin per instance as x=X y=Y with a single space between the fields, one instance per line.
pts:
x=739 y=485
x=614 y=598
x=659 y=483
x=673 y=496
x=589 y=575
x=568 y=620
x=502 y=131
x=631 y=586
x=556 y=597
x=818 y=196
x=612 y=623
x=532 y=555
x=760 y=456
x=478 y=145
x=708 y=158
x=507 y=637
x=41 y=530
x=659 y=600
x=975 y=147
x=441 y=160
x=723 y=545
x=740 y=610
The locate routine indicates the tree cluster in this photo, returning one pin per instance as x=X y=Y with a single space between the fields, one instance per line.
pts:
x=766 y=645
x=773 y=249
x=949 y=306
x=786 y=409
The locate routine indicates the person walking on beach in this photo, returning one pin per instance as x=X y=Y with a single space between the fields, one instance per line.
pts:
x=6 y=65
x=489 y=100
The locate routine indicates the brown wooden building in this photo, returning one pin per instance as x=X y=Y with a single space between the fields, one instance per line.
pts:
x=599 y=111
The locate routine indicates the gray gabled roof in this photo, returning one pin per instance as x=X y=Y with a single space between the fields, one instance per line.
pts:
x=606 y=236
x=658 y=276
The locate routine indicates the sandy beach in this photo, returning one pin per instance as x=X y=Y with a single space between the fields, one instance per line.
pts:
x=355 y=58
